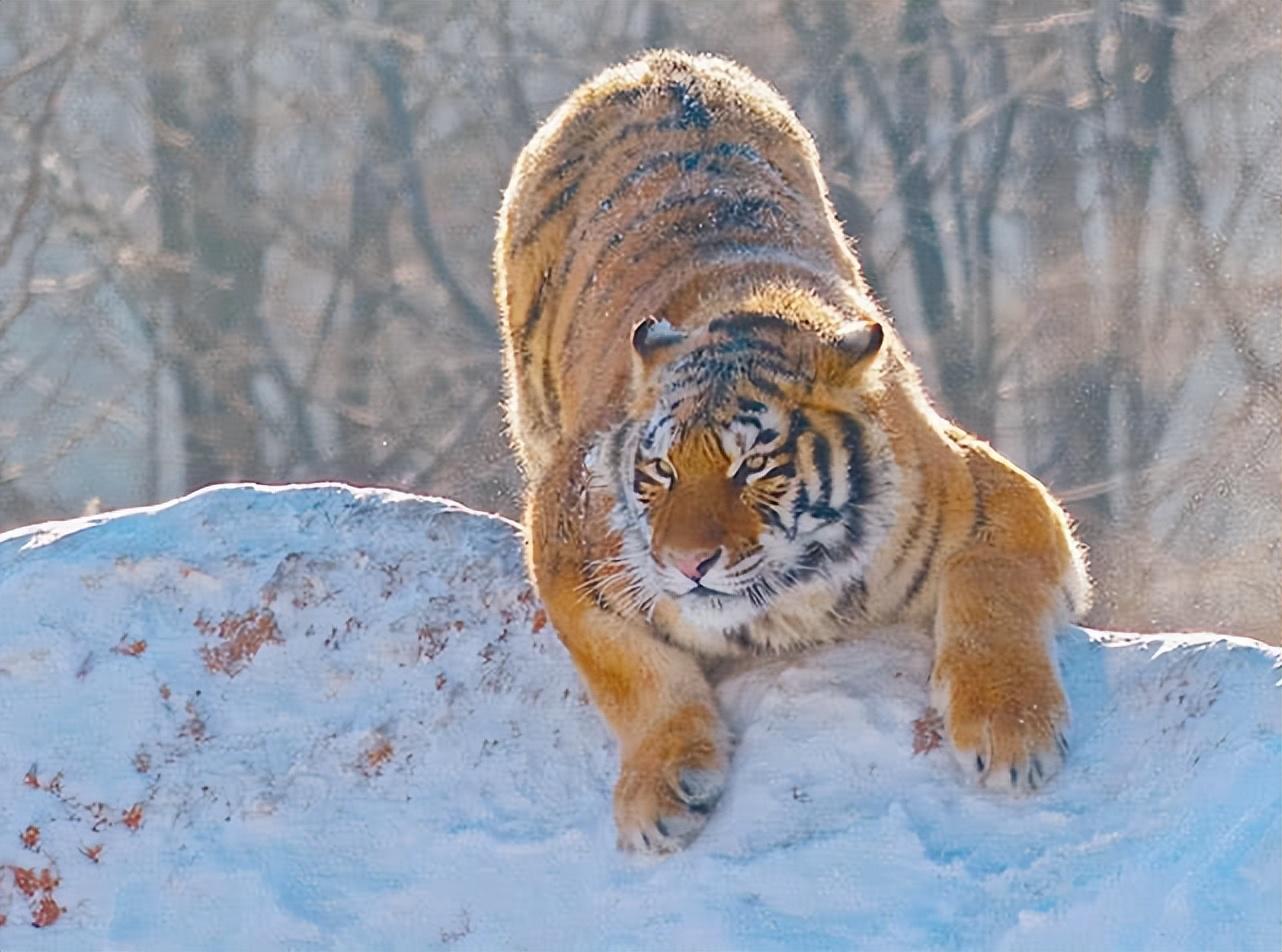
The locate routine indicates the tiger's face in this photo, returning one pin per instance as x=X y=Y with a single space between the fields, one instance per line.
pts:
x=736 y=488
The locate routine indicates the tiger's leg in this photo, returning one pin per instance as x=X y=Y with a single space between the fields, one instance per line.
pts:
x=995 y=678
x=673 y=747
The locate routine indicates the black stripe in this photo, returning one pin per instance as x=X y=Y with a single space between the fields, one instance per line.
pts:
x=727 y=211
x=919 y=577
x=641 y=170
x=822 y=463
x=768 y=387
x=746 y=322
x=771 y=516
x=648 y=438
x=720 y=377
x=741 y=150
x=551 y=393
x=813 y=557
x=739 y=636
x=800 y=504
x=629 y=97
x=746 y=211
x=532 y=316
x=856 y=477
x=980 y=522
x=636 y=223
x=613 y=245
x=628 y=130
x=919 y=519
x=709 y=161
x=854 y=597
x=744 y=345
x=742 y=356
x=550 y=211
x=691 y=112
x=798 y=423
x=687 y=160
x=625 y=96
x=559 y=170
x=784 y=470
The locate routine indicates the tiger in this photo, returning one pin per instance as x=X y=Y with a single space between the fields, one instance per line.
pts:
x=728 y=452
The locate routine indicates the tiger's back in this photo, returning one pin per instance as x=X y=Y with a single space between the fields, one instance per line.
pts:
x=654 y=189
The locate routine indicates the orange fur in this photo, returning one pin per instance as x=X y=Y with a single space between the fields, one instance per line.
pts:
x=728 y=449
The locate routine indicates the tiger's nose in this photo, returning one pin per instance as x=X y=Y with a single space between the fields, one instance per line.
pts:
x=695 y=565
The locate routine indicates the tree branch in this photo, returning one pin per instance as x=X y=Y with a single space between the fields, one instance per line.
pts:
x=35 y=179
x=385 y=61
x=1256 y=368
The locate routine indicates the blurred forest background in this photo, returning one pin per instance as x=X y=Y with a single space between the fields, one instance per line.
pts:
x=251 y=240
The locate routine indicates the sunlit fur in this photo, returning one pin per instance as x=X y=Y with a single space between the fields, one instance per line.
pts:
x=701 y=387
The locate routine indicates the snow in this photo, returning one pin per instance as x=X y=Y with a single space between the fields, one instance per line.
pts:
x=321 y=717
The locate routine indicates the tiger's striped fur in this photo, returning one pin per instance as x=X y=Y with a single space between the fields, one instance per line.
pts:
x=728 y=449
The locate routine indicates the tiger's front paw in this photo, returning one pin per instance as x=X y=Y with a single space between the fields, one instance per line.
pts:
x=1005 y=718
x=669 y=784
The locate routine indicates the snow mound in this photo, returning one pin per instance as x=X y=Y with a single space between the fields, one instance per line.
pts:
x=325 y=717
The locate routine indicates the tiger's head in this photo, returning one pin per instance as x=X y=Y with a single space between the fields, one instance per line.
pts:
x=744 y=471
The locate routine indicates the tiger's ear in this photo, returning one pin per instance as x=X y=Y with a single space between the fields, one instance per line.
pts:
x=843 y=361
x=652 y=339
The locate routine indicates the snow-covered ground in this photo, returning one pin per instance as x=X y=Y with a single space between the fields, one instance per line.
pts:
x=320 y=717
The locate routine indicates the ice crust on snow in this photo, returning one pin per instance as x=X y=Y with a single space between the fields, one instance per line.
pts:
x=321 y=717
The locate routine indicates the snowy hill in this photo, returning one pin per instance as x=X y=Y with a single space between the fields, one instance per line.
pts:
x=322 y=717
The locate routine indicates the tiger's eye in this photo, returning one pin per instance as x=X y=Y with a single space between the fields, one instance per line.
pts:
x=754 y=462
x=664 y=469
